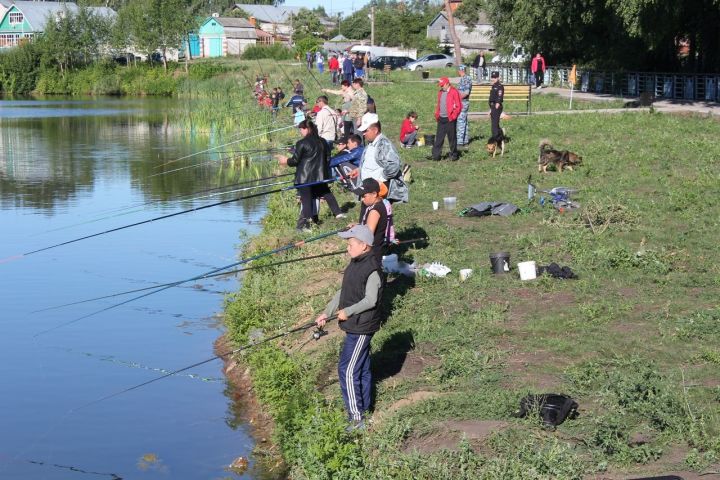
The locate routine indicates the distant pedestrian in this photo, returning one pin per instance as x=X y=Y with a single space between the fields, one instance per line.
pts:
x=356 y=307
x=495 y=102
x=334 y=67
x=464 y=89
x=479 y=66
x=347 y=69
x=309 y=60
x=277 y=97
x=359 y=65
x=447 y=109
x=320 y=60
x=347 y=93
x=538 y=69
x=298 y=88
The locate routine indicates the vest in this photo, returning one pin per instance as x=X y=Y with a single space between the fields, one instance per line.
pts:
x=381 y=231
x=353 y=290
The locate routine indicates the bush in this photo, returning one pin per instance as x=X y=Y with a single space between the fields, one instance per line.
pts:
x=206 y=70
x=20 y=68
x=276 y=52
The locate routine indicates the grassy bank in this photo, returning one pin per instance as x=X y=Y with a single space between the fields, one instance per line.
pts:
x=634 y=339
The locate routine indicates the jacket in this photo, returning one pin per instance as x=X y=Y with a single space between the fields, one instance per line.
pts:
x=407 y=128
x=348 y=156
x=353 y=290
x=333 y=63
x=537 y=65
x=311 y=160
x=326 y=123
x=381 y=161
x=454 y=106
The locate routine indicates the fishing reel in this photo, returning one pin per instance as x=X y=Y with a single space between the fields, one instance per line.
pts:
x=318 y=333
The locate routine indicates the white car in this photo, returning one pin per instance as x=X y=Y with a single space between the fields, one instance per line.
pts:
x=434 y=60
x=518 y=55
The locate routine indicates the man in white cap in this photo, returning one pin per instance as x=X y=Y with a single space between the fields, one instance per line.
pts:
x=356 y=307
x=380 y=160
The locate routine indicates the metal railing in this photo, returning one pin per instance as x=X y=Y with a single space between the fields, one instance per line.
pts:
x=669 y=86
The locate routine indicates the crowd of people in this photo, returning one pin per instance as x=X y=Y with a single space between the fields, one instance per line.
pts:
x=347 y=145
x=342 y=66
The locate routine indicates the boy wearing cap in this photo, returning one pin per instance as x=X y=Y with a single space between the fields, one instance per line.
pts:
x=447 y=111
x=356 y=304
x=464 y=88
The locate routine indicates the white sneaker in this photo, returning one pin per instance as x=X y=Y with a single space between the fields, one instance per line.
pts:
x=340 y=215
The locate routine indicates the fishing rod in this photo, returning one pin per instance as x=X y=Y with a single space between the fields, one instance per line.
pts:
x=124 y=212
x=197 y=277
x=200 y=192
x=250 y=84
x=301 y=328
x=262 y=72
x=170 y=215
x=285 y=73
x=215 y=148
x=221 y=274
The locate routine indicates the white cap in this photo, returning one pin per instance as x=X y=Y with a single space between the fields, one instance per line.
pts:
x=367 y=120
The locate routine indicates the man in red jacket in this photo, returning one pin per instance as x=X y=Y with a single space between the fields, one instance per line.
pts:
x=538 y=69
x=447 y=111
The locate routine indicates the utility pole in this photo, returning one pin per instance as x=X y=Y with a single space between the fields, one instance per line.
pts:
x=372 y=24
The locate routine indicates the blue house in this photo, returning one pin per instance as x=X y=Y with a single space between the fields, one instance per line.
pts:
x=23 y=19
x=221 y=36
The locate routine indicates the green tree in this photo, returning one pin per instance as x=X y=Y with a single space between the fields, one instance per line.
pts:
x=157 y=25
x=306 y=23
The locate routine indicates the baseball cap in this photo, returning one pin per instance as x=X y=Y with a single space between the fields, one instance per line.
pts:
x=495 y=75
x=367 y=120
x=461 y=67
x=443 y=81
x=369 y=185
x=359 y=232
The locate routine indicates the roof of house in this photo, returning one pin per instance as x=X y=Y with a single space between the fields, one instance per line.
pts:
x=262 y=33
x=269 y=13
x=482 y=19
x=233 y=22
x=37 y=13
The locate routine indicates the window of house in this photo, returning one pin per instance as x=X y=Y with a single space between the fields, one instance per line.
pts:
x=15 y=18
x=9 y=39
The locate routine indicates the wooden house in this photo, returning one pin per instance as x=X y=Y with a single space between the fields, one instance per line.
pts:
x=222 y=36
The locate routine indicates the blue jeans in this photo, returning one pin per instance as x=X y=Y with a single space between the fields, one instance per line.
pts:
x=354 y=374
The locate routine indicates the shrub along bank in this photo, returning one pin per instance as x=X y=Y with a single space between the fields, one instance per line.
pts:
x=633 y=340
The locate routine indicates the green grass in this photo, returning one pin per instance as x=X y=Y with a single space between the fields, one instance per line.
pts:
x=634 y=339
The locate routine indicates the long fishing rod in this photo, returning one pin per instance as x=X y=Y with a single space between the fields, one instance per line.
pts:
x=215 y=148
x=250 y=84
x=200 y=192
x=251 y=156
x=170 y=215
x=301 y=328
x=197 y=277
x=285 y=73
x=122 y=213
x=221 y=274
x=316 y=80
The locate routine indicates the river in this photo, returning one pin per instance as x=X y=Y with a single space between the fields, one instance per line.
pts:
x=65 y=166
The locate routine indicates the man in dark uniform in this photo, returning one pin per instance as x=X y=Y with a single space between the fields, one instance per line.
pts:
x=497 y=93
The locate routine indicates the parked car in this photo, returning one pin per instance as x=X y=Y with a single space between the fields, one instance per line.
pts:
x=518 y=55
x=394 y=62
x=434 y=60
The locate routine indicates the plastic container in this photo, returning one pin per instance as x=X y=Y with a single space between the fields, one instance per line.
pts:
x=465 y=274
x=500 y=262
x=450 y=203
x=435 y=205
x=429 y=140
x=528 y=270
x=425 y=74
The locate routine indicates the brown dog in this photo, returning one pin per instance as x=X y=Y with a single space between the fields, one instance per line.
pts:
x=494 y=146
x=561 y=159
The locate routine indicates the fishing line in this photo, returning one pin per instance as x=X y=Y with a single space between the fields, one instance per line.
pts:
x=215 y=148
x=221 y=274
x=230 y=272
x=197 y=277
x=162 y=217
x=203 y=362
x=200 y=192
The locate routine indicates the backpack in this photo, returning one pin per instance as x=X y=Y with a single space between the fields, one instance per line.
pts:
x=553 y=408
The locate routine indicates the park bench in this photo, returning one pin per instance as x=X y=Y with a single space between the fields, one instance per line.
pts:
x=513 y=94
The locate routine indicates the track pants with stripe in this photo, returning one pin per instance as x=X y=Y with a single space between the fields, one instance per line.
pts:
x=462 y=125
x=354 y=374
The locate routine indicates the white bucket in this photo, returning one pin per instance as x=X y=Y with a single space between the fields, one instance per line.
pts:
x=527 y=270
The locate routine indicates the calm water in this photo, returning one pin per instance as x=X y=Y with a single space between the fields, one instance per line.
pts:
x=68 y=162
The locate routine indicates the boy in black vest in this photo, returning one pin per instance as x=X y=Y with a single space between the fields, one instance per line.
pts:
x=356 y=305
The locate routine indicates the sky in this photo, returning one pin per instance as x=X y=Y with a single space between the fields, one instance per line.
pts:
x=332 y=7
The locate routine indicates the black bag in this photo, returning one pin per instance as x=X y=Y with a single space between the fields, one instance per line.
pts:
x=553 y=408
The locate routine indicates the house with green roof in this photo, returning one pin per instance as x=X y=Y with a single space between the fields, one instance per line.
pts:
x=24 y=19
